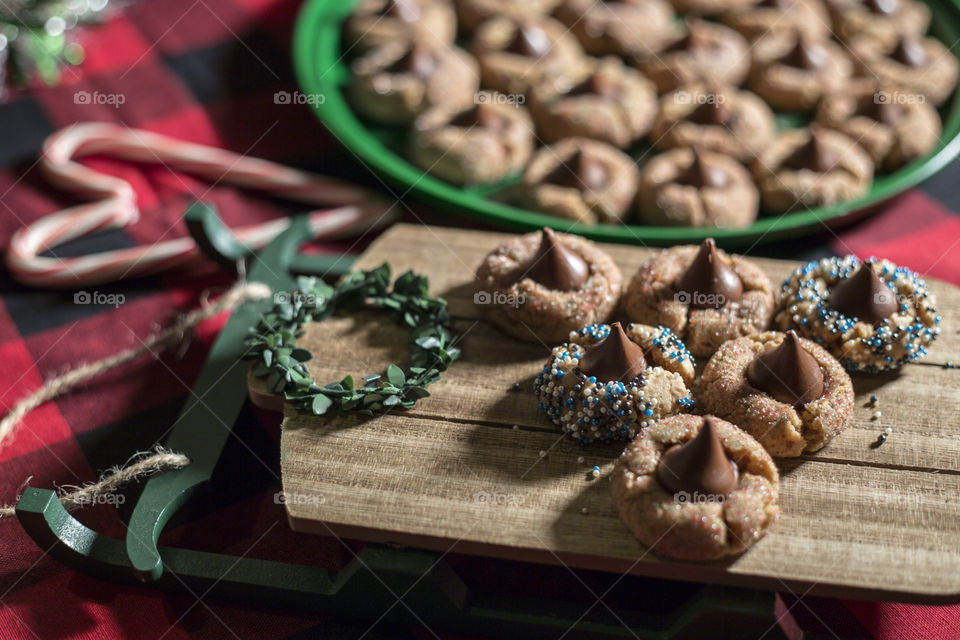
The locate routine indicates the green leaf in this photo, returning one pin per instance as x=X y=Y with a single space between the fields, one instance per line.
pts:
x=267 y=357
x=395 y=375
x=298 y=377
x=428 y=342
x=347 y=383
x=391 y=400
x=320 y=404
x=301 y=355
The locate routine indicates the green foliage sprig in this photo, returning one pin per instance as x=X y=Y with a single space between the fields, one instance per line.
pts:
x=273 y=342
x=35 y=37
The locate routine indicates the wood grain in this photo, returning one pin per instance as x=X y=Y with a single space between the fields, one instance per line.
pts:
x=857 y=521
x=845 y=529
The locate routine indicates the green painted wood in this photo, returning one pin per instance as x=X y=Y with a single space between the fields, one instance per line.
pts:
x=207 y=418
x=370 y=586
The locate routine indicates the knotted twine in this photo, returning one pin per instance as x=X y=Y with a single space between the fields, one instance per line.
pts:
x=143 y=463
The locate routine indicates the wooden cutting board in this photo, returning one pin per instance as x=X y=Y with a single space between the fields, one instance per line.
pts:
x=476 y=469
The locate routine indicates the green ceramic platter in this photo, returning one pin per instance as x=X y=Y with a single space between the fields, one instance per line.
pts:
x=323 y=70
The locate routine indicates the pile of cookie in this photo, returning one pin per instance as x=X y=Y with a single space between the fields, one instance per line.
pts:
x=576 y=94
x=697 y=480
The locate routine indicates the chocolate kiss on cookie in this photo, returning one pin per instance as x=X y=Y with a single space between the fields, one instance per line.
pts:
x=616 y=357
x=555 y=266
x=863 y=295
x=579 y=171
x=701 y=173
x=530 y=41
x=693 y=41
x=909 y=52
x=814 y=155
x=777 y=4
x=595 y=84
x=698 y=465
x=403 y=9
x=480 y=116
x=712 y=112
x=883 y=7
x=884 y=112
x=806 y=55
x=417 y=61
x=709 y=282
x=787 y=373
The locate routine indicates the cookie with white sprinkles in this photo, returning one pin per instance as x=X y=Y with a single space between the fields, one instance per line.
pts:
x=872 y=316
x=696 y=488
x=608 y=383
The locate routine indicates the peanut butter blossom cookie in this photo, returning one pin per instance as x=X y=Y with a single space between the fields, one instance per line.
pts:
x=484 y=143
x=794 y=74
x=921 y=65
x=715 y=117
x=703 y=295
x=375 y=23
x=543 y=285
x=872 y=316
x=608 y=383
x=780 y=19
x=697 y=188
x=696 y=488
x=893 y=125
x=882 y=21
x=473 y=13
x=707 y=51
x=711 y=7
x=787 y=392
x=614 y=104
x=394 y=84
x=517 y=55
x=812 y=167
x=579 y=179
x=627 y=27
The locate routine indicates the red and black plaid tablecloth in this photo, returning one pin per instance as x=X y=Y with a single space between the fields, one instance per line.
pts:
x=206 y=71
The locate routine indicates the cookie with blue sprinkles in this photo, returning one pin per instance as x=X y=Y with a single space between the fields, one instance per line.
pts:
x=872 y=316
x=609 y=382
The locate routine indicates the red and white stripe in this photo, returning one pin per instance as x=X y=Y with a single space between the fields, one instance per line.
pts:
x=355 y=209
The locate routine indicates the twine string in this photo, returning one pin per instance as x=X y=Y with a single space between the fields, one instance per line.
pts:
x=143 y=463
x=140 y=465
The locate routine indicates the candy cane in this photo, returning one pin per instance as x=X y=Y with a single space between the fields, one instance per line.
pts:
x=357 y=209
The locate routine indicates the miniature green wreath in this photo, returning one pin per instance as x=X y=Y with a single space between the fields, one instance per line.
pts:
x=281 y=362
